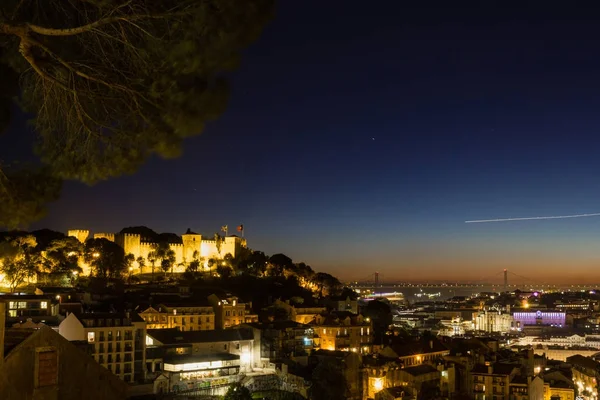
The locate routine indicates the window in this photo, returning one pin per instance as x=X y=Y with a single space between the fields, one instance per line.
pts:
x=44 y=304
x=12 y=313
x=224 y=347
x=237 y=346
x=46 y=367
x=191 y=320
x=207 y=319
x=101 y=359
x=118 y=335
x=110 y=358
x=91 y=337
x=101 y=347
x=110 y=336
x=101 y=338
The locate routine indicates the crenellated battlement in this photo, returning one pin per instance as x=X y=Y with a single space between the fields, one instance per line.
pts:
x=194 y=246
x=80 y=234
x=107 y=236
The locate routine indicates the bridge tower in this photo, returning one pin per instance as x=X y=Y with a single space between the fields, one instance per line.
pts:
x=376 y=279
x=505 y=279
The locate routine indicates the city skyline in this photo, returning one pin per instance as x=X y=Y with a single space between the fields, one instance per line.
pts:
x=366 y=149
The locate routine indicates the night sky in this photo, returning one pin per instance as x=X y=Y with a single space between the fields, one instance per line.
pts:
x=361 y=135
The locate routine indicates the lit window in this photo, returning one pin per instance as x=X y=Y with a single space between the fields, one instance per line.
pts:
x=44 y=304
x=12 y=313
x=91 y=337
x=12 y=304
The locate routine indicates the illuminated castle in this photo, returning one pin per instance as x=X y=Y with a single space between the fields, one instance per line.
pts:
x=191 y=244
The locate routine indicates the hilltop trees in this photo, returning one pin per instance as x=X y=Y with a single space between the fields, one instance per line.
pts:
x=19 y=260
x=165 y=255
x=106 y=258
x=62 y=256
x=110 y=83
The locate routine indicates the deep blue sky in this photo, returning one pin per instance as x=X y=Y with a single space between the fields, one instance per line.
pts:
x=360 y=136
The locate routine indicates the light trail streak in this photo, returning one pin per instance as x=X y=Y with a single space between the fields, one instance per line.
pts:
x=481 y=221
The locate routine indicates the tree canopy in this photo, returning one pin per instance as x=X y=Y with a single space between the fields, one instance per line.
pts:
x=106 y=258
x=238 y=392
x=112 y=82
x=18 y=260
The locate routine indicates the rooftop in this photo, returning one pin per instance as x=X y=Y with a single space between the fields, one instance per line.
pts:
x=14 y=337
x=197 y=358
x=173 y=335
x=420 y=370
x=497 y=369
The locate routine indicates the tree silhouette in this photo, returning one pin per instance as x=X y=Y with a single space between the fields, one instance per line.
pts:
x=328 y=382
x=111 y=83
x=238 y=392
x=19 y=260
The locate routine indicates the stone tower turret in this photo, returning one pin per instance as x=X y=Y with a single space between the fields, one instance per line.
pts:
x=191 y=243
x=80 y=234
x=130 y=242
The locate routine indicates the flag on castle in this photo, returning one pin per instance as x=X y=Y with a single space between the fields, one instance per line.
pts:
x=240 y=228
x=224 y=228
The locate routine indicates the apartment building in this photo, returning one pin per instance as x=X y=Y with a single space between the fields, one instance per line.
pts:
x=283 y=339
x=415 y=353
x=200 y=359
x=36 y=308
x=229 y=311
x=118 y=340
x=344 y=331
x=183 y=316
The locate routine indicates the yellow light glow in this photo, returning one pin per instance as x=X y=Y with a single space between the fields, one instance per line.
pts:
x=246 y=357
x=525 y=304
x=378 y=384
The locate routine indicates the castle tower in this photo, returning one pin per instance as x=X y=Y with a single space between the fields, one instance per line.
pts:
x=191 y=243
x=80 y=234
x=130 y=242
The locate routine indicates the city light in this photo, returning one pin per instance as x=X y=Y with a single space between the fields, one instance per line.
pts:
x=246 y=357
x=378 y=384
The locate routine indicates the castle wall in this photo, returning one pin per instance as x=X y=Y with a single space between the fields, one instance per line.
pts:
x=129 y=242
x=191 y=244
x=107 y=236
x=184 y=253
x=147 y=247
x=80 y=234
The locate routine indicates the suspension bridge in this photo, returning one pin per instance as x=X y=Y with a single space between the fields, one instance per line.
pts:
x=502 y=280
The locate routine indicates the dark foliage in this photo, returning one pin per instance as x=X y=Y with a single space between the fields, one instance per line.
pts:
x=110 y=83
